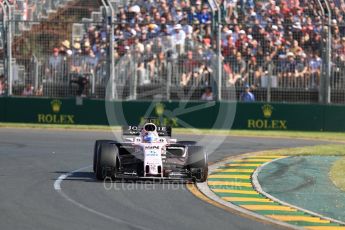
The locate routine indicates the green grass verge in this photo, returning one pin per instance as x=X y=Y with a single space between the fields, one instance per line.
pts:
x=330 y=136
x=337 y=170
x=59 y=126
x=317 y=150
x=337 y=173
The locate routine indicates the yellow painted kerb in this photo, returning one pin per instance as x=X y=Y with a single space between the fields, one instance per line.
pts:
x=268 y=207
x=244 y=199
x=298 y=218
x=262 y=160
x=325 y=228
x=230 y=183
x=242 y=165
x=235 y=191
x=260 y=203
x=227 y=176
x=235 y=170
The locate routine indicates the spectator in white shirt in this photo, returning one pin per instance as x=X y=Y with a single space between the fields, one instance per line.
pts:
x=207 y=95
x=28 y=90
x=178 y=38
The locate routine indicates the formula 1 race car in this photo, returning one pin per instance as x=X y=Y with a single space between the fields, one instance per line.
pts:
x=149 y=155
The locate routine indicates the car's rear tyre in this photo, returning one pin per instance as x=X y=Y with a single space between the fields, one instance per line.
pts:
x=107 y=161
x=198 y=163
x=96 y=150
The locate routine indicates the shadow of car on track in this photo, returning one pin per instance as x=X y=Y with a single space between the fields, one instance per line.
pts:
x=90 y=177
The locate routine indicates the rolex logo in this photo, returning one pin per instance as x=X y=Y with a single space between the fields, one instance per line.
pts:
x=56 y=105
x=159 y=109
x=267 y=110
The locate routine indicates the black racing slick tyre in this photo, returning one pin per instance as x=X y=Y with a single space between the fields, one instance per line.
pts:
x=198 y=163
x=96 y=150
x=107 y=161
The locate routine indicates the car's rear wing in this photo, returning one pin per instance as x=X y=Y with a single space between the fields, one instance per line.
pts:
x=163 y=131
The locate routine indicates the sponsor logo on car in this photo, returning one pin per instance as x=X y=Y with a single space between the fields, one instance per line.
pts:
x=152 y=154
x=152 y=147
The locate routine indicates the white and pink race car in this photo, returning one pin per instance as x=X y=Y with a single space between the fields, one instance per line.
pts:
x=149 y=154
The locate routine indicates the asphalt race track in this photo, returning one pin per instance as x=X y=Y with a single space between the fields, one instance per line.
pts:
x=32 y=159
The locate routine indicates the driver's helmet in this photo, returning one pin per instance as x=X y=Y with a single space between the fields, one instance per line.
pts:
x=150 y=137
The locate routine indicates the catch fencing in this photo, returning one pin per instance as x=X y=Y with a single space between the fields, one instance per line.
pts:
x=70 y=48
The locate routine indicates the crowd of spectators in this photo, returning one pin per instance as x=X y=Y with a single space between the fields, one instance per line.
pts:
x=157 y=32
x=83 y=55
x=75 y=61
x=285 y=35
x=259 y=38
x=152 y=34
x=282 y=39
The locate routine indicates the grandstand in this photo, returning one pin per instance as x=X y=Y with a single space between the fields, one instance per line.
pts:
x=167 y=49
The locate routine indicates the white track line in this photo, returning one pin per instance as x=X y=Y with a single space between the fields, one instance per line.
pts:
x=57 y=187
x=57 y=183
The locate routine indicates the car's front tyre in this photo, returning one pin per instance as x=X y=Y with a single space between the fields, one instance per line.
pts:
x=107 y=161
x=96 y=149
